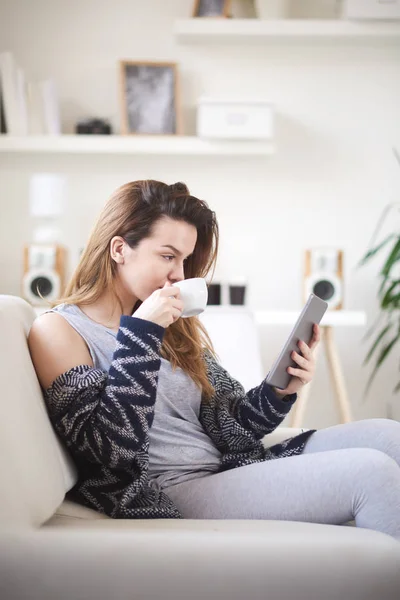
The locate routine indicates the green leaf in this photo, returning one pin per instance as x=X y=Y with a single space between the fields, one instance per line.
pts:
x=375 y=344
x=371 y=329
x=382 y=357
x=393 y=257
x=387 y=349
x=396 y=301
x=393 y=304
x=389 y=299
x=372 y=252
x=397 y=388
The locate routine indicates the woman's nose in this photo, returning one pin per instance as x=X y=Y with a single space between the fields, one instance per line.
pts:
x=178 y=274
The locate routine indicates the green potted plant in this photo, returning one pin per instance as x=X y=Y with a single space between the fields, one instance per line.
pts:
x=389 y=296
x=388 y=293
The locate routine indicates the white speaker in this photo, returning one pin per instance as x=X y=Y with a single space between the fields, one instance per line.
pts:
x=44 y=273
x=323 y=276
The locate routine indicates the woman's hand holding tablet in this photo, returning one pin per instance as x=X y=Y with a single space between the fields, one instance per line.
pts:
x=292 y=370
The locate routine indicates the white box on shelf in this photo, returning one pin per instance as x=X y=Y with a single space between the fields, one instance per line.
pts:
x=371 y=9
x=272 y=9
x=314 y=9
x=238 y=119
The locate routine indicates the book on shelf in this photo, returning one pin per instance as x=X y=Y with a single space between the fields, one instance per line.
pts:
x=12 y=93
x=3 y=128
x=26 y=108
x=43 y=108
x=36 y=125
x=22 y=102
x=51 y=108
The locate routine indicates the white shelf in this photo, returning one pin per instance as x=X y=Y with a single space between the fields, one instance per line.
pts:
x=284 y=30
x=135 y=144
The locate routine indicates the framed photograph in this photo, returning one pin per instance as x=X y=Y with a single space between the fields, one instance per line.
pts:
x=211 y=8
x=150 y=102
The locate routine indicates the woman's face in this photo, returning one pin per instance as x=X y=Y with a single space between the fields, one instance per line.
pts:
x=156 y=260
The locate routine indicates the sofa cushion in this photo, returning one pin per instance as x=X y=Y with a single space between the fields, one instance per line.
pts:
x=70 y=512
x=36 y=470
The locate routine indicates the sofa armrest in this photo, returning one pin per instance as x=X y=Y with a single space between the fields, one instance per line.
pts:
x=225 y=560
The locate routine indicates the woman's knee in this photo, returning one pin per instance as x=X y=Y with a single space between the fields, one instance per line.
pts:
x=371 y=460
x=374 y=471
x=382 y=422
x=384 y=435
x=376 y=496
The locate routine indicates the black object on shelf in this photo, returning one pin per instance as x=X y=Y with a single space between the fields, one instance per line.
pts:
x=93 y=126
x=3 y=124
x=237 y=294
x=214 y=294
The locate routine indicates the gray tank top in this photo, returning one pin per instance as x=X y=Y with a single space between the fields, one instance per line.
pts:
x=179 y=448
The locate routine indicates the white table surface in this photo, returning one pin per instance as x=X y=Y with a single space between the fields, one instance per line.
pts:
x=235 y=333
x=335 y=318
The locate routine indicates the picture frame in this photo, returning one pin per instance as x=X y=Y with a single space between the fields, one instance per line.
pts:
x=211 y=8
x=150 y=100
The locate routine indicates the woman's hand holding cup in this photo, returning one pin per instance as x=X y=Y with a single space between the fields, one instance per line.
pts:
x=162 y=307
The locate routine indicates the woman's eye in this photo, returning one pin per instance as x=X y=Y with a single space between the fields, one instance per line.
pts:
x=169 y=257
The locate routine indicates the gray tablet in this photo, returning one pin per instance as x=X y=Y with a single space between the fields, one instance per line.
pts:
x=312 y=313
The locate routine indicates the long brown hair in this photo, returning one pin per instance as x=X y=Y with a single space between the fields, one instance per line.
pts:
x=131 y=212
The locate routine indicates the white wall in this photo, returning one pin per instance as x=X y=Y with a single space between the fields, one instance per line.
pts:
x=338 y=110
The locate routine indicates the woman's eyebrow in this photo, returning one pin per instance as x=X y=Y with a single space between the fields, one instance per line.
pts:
x=174 y=249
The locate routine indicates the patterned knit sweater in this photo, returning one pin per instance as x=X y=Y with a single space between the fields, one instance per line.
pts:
x=104 y=420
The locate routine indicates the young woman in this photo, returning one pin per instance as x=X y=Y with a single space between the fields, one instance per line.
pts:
x=157 y=428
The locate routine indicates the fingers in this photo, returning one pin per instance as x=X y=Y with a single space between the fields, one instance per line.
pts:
x=300 y=360
x=305 y=350
x=177 y=308
x=316 y=336
x=176 y=315
x=306 y=359
x=170 y=291
x=304 y=376
x=178 y=304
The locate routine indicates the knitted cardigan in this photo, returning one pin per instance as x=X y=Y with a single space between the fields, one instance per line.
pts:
x=104 y=420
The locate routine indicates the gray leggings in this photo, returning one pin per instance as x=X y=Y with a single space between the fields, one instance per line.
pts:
x=345 y=472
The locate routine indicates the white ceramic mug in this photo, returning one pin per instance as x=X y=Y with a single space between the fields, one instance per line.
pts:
x=194 y=295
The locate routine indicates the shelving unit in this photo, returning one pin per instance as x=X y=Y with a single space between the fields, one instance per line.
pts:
x=246 y=31
x=132 y=145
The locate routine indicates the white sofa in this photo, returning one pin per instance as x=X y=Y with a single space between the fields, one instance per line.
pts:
x=52 y=549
